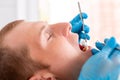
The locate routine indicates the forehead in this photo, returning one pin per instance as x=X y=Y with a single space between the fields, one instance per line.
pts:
x=23 y=33
x=27 y=25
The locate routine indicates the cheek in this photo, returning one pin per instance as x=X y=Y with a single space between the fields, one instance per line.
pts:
x=62 y=49
x=62 y=56
x=73 y=40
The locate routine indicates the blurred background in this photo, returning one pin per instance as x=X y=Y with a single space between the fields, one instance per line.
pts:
x=103 y=15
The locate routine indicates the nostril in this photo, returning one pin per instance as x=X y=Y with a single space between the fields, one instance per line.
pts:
x=70 y=28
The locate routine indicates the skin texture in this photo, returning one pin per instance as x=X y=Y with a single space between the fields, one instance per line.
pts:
x=54 y=45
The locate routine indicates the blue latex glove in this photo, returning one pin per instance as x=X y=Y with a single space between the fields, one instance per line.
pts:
x=105 y=65
x=77 y=26
x=100 y=45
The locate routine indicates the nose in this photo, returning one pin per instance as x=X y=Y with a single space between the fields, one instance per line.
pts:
x=62 y=28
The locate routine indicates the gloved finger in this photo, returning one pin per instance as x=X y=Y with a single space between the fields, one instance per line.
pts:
x=77 y=18
x=105 y=40
x=116 y=52
x=84 y=15
x=115 y=56
x=84 y=36
x=94 y=51
x=109 y=46
x=118 y=45
x=99 y=45
x=76 y=28
x=86 y=29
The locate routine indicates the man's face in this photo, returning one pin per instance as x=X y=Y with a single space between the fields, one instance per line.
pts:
x=54 y=45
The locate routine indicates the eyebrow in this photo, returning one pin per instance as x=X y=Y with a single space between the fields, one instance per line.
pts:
x=40 y=33
x=41 y=29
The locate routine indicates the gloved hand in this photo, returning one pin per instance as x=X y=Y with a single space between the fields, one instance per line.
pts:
x=100 y=45
x=76 y=23
x=104 y=65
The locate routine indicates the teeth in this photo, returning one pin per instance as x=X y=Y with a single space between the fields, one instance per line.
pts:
x=83 y=42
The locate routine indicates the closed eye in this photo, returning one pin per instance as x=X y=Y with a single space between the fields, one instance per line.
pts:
x=50 y=35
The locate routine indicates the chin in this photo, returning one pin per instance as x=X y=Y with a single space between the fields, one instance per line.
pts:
x=87 y=53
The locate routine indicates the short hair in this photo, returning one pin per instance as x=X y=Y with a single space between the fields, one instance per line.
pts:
x=5 y=30
x=16 y=64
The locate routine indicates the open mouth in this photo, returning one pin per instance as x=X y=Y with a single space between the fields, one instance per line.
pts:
x=85 y=49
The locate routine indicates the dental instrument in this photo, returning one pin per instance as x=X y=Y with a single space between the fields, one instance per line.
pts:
x=83 y=43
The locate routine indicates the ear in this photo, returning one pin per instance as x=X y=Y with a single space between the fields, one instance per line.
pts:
x=42 y=75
